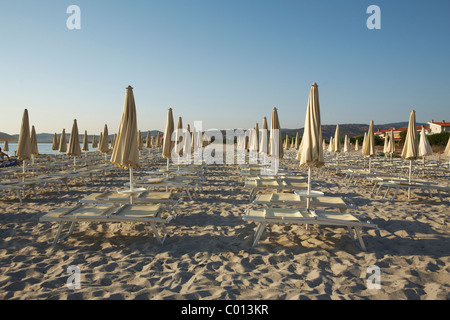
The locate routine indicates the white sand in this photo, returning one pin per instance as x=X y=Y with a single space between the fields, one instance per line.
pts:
x=208 y=254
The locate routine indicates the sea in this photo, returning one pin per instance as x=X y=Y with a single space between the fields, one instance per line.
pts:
x=43 y=148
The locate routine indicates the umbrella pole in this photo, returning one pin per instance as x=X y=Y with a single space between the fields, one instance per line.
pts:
x=409 y=180
x=23 y=171
x=131 y=185
x=309 y=187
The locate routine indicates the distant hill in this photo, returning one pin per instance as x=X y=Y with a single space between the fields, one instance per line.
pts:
x=5 y=136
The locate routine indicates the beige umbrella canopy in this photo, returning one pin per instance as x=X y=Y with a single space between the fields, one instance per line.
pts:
x=148 y=140
x=94 y=142
x=256 y=137
x=276 y=143
x=337 y=140
x=24 y=144
x=356 y=145
x=85 y=142
x=447 y=148
x=74 y=149
x=392 y=143
x=297 y=141
x=104 y=143
x=126 y=152
x=74 y=141
x=167 y=143
x=179 y=134
x=424 y=145
x=140 y=141
x=330 y=145
x=264 y=141
x=33 y=139
x=411 y=147
x=5 y=146
x=310 y=152
x=55 y=143
x=369 y=145
x=63 y=142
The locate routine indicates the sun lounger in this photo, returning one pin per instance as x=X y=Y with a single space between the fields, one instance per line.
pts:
x=289 y=184
x=303 y=216
x=145 y=197
x=276 y=199
x=188 y=185
x=108 y=213
x=404 y=184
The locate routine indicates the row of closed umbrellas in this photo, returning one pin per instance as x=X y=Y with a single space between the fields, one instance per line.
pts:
x=126 y=145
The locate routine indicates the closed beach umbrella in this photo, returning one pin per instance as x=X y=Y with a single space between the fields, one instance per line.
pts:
x=94 y=142
x=337 y=140
x=297 y=142
x=392 y=143
x=63 y=142
x=74 y=141
x=386 y=143
x=167 y=143
x=264 y=141
x=179 y=134
x=194 y=141
x=356 y=145
x=424 y=146
x=140 y=141
x=256 y=137
x=369 y=146
x=411 y=147
x=74 y=149
x=148 y=140
x=126 y=153
x=276 y=144
x=187 y=142
x=55 y=143
x=364 y=141
x=24 y=144
x=346 y=144
x=447 y=151
x=310 y=153
x=104 y=143
x=5 y=146
x=331 y=145
x=85 y=142
x=33 y=139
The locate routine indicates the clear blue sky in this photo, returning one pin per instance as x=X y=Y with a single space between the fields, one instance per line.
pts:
x=225 y=62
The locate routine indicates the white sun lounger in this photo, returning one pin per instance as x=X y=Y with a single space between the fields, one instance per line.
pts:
x=144 y=197
x=108 y=213
x=276 y=199
x=261 y=184
x=303 y=216
x=397 y=185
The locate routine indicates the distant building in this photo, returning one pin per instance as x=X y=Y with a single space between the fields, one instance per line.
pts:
x=382 y=133
x=438 y=127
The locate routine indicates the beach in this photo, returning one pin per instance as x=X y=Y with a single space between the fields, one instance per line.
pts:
x=208 y=253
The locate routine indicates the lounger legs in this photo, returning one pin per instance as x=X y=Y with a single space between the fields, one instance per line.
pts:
x=258 y=233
